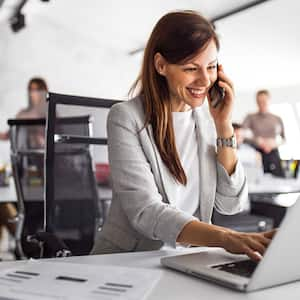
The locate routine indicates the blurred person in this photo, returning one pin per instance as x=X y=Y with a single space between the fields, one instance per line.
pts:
x=37 y=93
x=37 y=108
x=7 y=214
x=246 y=152
x=250 y=158
x=267 y=133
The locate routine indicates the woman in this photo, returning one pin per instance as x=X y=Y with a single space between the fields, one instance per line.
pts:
x=166 y=173
x=37 y=91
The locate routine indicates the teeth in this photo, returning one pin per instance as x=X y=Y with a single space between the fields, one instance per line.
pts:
x=196 y=92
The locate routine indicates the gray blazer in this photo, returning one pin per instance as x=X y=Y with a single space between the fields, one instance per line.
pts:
x=142 y=215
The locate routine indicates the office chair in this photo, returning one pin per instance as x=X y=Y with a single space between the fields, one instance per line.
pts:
x=244 y=221
x=27 y=149
x=247 y=220
x=73 y=213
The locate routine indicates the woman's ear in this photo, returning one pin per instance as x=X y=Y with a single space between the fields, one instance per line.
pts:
x=160 y=64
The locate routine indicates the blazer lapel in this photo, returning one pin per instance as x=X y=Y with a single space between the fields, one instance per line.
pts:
x=167 y=179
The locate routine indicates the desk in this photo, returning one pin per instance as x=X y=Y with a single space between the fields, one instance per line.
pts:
x=273 y=205
x=8 y=193
x=271 y=196
x=175 y=285
x=274 y=185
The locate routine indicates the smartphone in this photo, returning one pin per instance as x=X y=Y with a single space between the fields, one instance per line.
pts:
x=216 y=93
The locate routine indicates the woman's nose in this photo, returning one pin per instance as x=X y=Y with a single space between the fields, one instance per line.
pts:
x=203 y=79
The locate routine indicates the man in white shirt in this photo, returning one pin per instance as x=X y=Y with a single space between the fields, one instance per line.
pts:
x=249 y=157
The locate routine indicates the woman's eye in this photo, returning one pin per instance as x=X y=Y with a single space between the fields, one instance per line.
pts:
x=212 y=67
x=190 y=69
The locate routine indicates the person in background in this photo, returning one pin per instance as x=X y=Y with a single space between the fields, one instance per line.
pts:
x=250 y=158
x=37 y=108
x=267 y=133
x=246 y=152
x=7 y=214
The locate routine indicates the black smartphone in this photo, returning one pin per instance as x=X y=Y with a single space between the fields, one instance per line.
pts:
x=216 y=93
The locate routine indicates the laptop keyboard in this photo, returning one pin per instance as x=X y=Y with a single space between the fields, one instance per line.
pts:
x=243 y=268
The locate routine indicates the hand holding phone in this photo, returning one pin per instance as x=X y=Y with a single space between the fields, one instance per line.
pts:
x=216 y=93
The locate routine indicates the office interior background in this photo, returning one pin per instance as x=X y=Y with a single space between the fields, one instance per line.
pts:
x=94 y=49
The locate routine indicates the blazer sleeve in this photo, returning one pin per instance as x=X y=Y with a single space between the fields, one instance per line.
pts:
x=134 y=184
x=232 y=191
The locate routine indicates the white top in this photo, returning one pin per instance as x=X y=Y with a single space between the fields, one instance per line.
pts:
x=187 y=197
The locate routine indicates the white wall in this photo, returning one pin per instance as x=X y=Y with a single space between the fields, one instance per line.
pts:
x=83 y=51
x=71 y=62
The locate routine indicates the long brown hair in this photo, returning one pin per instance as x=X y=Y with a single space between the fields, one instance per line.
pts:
x=178 y=37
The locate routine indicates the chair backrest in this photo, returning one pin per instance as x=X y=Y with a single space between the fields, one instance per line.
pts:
x=27 y=140
x=72 y=207
x=27 y=149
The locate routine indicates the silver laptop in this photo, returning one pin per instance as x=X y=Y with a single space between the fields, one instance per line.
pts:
x=280 y=264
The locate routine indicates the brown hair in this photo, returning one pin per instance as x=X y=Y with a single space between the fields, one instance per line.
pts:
x=40 y=82
x=262 y=92
x=178 y=37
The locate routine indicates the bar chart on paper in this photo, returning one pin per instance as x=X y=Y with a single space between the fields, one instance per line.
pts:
x=64 y=281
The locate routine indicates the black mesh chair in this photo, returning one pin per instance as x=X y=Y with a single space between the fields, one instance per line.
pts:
x=27 y=149
x=75 y=219
x=73 y=212
x=245 y=221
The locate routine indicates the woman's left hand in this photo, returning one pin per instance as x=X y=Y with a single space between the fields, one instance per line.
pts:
x=222 y=114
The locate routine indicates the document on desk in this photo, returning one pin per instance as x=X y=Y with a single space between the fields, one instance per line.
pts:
x=64 y=281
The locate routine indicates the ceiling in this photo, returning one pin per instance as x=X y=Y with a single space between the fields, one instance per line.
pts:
x=130 y=21
x=90 y=41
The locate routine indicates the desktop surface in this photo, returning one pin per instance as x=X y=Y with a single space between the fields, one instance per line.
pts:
x=175 y=285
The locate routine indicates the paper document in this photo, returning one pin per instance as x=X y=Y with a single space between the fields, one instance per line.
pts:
x=64 y=281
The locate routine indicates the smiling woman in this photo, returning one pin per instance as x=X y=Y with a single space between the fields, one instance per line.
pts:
x=190 y=79
x=166 y=173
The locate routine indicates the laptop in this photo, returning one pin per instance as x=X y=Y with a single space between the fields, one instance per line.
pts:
x=280 y=263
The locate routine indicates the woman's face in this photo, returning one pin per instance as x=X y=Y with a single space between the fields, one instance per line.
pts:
x=36 y=94
x=189 y=83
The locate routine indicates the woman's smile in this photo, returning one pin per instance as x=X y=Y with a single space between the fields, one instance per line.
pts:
x=196 y=92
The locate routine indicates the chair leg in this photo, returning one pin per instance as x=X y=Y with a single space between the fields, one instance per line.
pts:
x=19 y=221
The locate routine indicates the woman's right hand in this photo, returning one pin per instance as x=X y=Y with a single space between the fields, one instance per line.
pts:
x=252 y=244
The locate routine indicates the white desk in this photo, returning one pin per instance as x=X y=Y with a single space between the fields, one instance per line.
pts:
x=175 y=285
x=274 y=185
x=8 y=193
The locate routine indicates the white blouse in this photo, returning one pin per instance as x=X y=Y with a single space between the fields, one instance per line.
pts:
x=186 y=198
